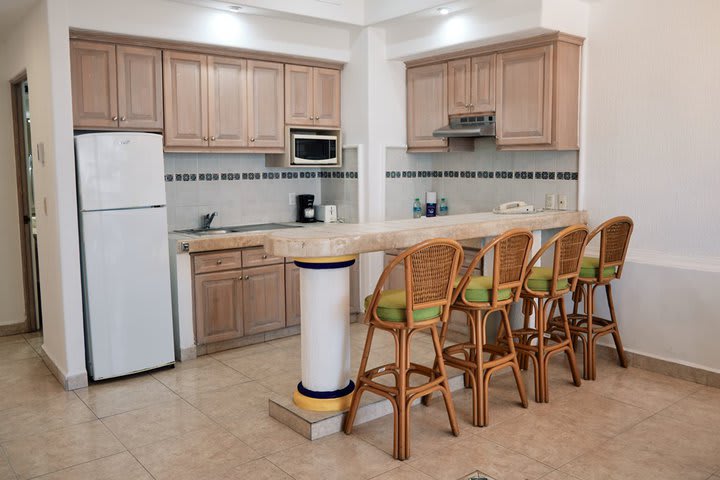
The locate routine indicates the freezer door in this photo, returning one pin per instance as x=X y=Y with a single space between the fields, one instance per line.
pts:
x=126 y=275
x=119 y=170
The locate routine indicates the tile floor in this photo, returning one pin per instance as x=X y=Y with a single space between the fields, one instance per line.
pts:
x=207 y=419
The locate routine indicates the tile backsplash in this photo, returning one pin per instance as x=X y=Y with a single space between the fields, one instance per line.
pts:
x=477 y=181
x=243 y=191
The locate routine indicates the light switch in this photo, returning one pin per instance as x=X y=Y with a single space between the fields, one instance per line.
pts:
x=562 y=202
x=550 y=201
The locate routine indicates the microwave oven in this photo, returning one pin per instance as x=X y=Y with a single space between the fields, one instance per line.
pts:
x=321 y=148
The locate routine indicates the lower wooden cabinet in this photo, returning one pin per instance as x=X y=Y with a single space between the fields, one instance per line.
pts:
x=263 y=299
x=218 y=306
x=292 y=295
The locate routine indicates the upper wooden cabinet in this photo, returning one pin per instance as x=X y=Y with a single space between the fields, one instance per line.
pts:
x=426 y=106
x=312 y=96
x=222 y=102
x=471 y=85
x=266 y=102
x=115 y=86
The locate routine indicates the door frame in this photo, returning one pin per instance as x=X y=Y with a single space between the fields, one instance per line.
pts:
x=23 y=211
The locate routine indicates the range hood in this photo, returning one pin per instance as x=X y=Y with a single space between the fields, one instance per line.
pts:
x=468 y=126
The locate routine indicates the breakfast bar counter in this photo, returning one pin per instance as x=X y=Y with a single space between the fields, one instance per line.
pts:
x=326 y=252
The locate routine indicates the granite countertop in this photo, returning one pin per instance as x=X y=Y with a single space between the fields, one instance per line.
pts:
x=334 y=239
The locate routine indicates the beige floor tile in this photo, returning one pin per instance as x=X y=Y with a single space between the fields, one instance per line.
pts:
x=641 y=388
x=157 y=422
x=30 y=367
x=558 y=475
x=405 y=472
x=36 y=343
x=124 y=394
x=265 y=434
x=62 y=410
x=282 y=383
x=122 y=466
x=696 y=446
x=51 y=451
x=700 y=408
x=336 y=456
x=6 y=471
x=501 y=408
x=264 y=364
x=617 y=461
x=247 y=398
x=8 y=339
x=18 y=391
x=289 y=344
x=191 y=380
x=259 y=469
x=17 y=351
x=210 y=453
x=242 y=351
x=476 y=453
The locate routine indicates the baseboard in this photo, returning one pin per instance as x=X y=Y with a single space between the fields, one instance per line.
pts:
x=69 y=382
x=13 y=329
x=665 y=367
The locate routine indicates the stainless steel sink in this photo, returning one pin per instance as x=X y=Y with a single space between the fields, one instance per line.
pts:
x=237 y=229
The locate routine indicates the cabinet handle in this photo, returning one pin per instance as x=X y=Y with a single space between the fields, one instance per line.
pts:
x=240 y=277
x=205 y=139
x=317 y=117
x=467 y=105
x=219 y=262
x=252 y=139
x=123 y=118
x=471 y=105
x=264 y=257
x=212 y=139
x=114 y=118
x=247 y=277
x=310 y=117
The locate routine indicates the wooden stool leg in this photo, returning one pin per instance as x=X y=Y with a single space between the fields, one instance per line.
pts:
x=541 y=365
x=350 y=418
x=589 y=344
x=402 y=429
x=615 y=332
x=528 y=306
x=480 y=399
x=569 y=350
x=445 y=384
x=515 y=365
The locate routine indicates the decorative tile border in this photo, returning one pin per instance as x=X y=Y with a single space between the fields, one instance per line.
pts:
x=213 y=177
x=482 y=174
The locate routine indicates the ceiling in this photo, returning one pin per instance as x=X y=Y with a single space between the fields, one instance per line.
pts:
x=11 y=11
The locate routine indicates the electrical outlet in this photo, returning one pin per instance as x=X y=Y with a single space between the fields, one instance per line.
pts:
x=291 y=198
x=562 y=202
x=550 y=201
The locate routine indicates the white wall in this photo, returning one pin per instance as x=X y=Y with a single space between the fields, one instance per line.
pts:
x=652 y=153
x=40 y=44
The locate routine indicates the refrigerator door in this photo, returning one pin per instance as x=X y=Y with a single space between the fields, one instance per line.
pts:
x=119 y=170
x=128 y=312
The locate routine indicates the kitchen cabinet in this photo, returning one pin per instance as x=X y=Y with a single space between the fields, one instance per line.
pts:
x=426 y=106
x=263 y=298
x=292 y=294
x=266 y=102
x=471 y=85
x=312 y=96
x=116 y=86
x=218 y=306
x=215 y=102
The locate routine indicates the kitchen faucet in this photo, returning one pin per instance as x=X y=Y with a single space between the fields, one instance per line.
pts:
x=207 y=219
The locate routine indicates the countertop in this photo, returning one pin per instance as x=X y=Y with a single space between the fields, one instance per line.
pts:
x=335 y=239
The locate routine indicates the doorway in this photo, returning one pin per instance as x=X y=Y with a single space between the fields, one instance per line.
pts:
x=26 y=205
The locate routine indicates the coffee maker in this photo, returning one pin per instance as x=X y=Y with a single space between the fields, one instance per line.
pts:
x=305 y=209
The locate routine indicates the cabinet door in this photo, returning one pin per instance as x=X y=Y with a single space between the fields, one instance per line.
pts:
x=482 y=84
x=186 y=103
x=459 y=81
x=227 y=102
x=299 y=95
x=524 y=113
x=326 y=85
x=426 y=105
x=266 y=104
x=93 y=68
x=292 y=294
x=139 y=83
x=263 y=299
x=218 y=306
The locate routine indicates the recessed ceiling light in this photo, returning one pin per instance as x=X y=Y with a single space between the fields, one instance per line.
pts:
x=235 y=8
x=443 y=11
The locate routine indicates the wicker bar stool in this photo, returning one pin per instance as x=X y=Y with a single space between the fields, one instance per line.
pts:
x=599 y=272
x=478 y=297
x=430 y=270
x=543 y=290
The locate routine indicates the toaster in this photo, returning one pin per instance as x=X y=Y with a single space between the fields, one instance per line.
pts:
x=326 y=213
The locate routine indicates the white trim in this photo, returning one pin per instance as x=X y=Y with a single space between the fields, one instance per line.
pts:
x=69 y=382
x=607 y=343
x=582 y=153
x=663 y=259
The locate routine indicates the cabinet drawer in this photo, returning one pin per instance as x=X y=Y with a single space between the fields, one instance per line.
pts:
x=217 y=261
x=256 y=257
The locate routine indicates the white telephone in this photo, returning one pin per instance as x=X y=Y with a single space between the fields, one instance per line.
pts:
x=515 y=207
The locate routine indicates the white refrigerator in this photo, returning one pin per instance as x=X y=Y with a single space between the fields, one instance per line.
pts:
x=125 y=264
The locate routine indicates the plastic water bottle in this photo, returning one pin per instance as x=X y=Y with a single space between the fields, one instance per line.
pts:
x=443 y=207
x=417 y=208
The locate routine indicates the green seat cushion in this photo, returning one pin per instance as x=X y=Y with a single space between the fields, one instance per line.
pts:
x=391 y=307
x=540 y=279
x=479 y=287
x=590 y=268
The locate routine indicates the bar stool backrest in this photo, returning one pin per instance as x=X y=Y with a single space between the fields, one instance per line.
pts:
x=569 y=246
x=510 y=253
x=430 y=270
x=614 y=241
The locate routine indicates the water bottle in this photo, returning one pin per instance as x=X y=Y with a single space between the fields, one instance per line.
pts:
x=443 y=207
x=417 y=208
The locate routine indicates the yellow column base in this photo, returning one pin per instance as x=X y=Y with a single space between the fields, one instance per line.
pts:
x=322 y=404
